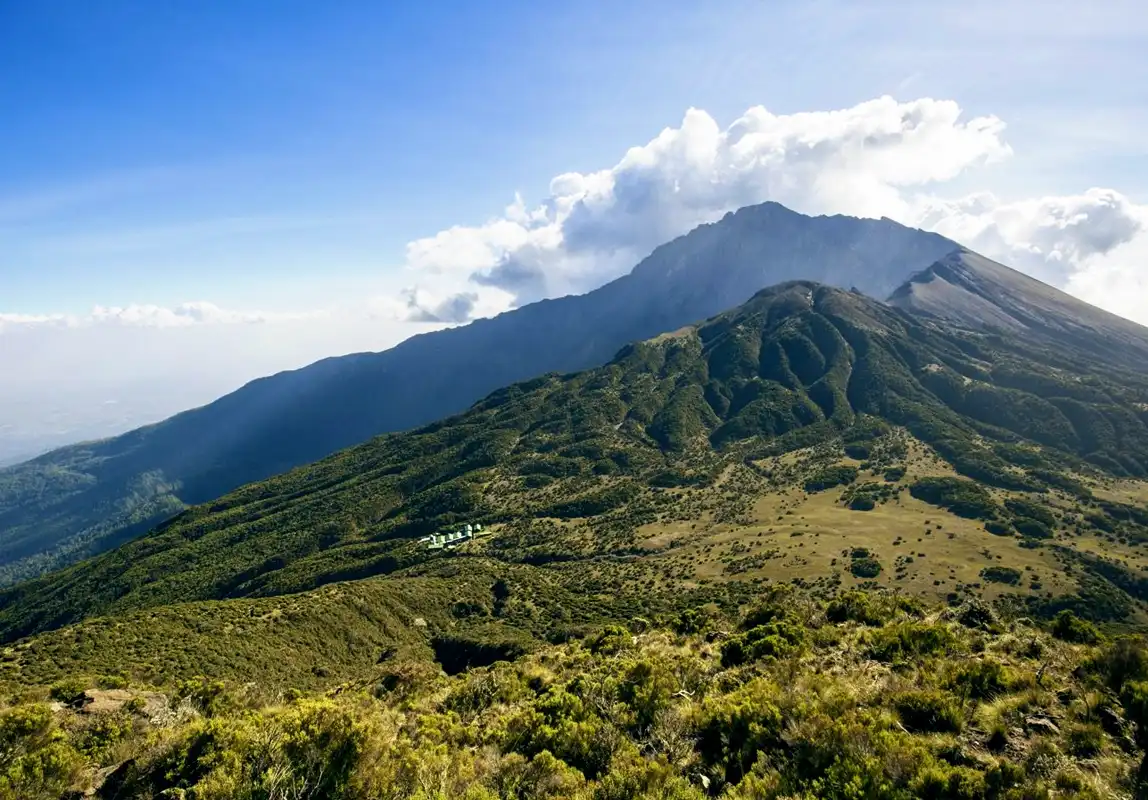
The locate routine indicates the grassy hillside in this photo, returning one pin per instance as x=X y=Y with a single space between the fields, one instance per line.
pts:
x=81 y=500
x=463 y=612
x=789 y=432
x=866 y=695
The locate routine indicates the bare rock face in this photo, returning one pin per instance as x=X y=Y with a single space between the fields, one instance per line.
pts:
x=105 y=701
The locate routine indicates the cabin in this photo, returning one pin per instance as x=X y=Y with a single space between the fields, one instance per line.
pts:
x=440 y=541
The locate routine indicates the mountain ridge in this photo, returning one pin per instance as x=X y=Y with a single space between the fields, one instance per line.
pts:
x=81 y=500
x=569 y=467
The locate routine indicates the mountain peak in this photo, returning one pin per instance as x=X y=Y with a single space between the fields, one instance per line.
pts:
x=969 y=290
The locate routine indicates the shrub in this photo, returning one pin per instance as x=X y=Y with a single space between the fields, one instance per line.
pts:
x=963 y=497
x=840 y=475
x=1032 y=528
x=1006 y=575
x=997 y=528
x=208 y=696
x=692 y=620
x=560 y=722
x=1085 y=741
x=860 y=607
x=862 y=502
x=69 y=691
x=1134 y=698
x=35 y=761
x=1068 y=627
x=980 y=680
x=867 y=567
x=928 y=711
x=1027 y=508
x=772 y=640
x=735 y=727
x=1122 y=661
x=610 y=640
x=647 y=688
x=953 y=783
x=908 y=639
x=404 y=678
x=978 y=615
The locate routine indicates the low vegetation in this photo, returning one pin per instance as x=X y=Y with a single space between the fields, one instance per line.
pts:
x=867 y=695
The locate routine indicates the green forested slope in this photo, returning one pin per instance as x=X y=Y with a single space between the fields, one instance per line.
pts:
x=609 y=450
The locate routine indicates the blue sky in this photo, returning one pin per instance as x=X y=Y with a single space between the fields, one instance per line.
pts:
x=278 y=158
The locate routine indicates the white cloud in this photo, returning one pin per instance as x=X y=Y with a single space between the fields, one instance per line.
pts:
x=594 y=226
x=1052 y=238
x=153 y=316
x=879 y=158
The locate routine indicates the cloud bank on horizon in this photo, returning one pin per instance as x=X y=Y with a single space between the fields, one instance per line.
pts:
x=878 y=158
x=153 y=316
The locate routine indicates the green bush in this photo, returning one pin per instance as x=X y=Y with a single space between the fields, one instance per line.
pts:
x=610 y=640
x=867 y=567
x=862 y=607
x=1121 y=661
x=928 y=711
x=1085 y=741
x=997 y=528
x=1032 y=528
x=69 y=691
x=839 y=475
x=909 y=640
x=774 y=639
x=735 y=727
x=1027 y=508
x=36 y=761
x=980 y=680
x=1068 y=627
x=894 y=474
x=1001 y=575
x=963 y=497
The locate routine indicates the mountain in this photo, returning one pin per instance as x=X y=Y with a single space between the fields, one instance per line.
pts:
x=714 y=453
x=817 y=546
x=87 y=498
x=967 y=289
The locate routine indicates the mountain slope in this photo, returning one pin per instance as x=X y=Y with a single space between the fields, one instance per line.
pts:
x=569 y=470
x=967 y=289
x=84 y=499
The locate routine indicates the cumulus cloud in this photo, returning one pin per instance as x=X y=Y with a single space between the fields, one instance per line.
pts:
x=593 y=227
x=1052 y=238
x=878 y=158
